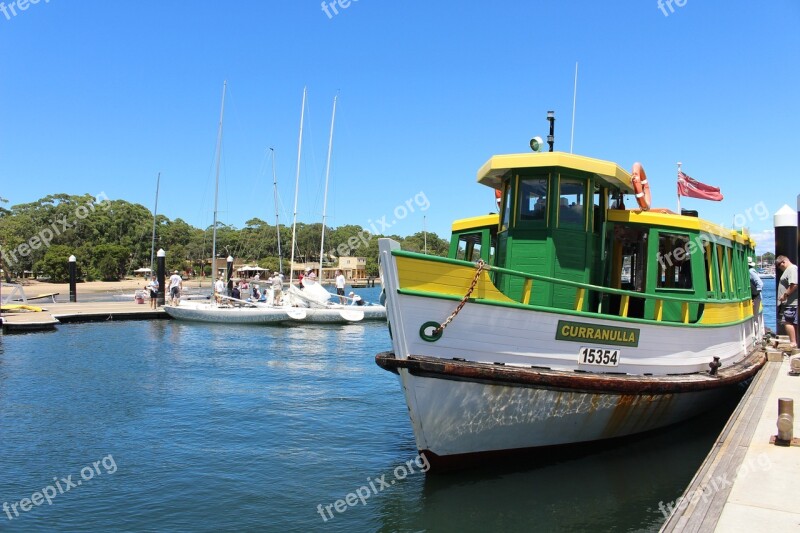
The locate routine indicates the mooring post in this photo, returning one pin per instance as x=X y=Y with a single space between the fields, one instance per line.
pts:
x=230 y=276
x=785 y=222
x=73 y=293
x=161 y=257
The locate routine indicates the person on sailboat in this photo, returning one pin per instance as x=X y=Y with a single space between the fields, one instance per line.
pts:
x=277 y=288
x=355 y=299
x=236 y=293
x=219 y=289
x=340 y=281
x=175 y=284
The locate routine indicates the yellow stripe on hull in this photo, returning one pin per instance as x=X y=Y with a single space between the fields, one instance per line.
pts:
x=441 y=278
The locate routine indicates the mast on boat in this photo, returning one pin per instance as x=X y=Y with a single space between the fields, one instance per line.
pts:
x=325 y=197
x=216 y=185
x=297 y=183
x=277 y=220
x=153 y=240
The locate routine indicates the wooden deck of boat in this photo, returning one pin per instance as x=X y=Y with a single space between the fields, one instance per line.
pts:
x=57 y=313
x=746 y=483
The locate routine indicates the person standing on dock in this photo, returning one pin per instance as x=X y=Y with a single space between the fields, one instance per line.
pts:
x=152 y=286
x=175 y=284
x=340 y=281
x=756 y=286
x=787 y=296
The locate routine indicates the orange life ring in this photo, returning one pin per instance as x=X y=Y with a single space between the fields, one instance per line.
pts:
x=640 y=186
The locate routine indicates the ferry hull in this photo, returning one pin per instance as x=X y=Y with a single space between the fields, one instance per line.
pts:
x=506 y=378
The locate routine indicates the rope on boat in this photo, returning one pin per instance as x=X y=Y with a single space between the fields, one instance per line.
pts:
x=438 y=331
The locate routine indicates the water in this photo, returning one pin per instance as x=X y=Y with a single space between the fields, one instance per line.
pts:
x=187 y=427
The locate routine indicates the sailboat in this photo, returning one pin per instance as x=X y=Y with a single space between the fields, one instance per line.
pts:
x=225 y=312
x=314 y=296
x=236 y=311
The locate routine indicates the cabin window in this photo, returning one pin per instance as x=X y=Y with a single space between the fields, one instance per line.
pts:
x=506 y=220
x=674 y=261
x=533 y=199
x=469 y=247
x=571 y=202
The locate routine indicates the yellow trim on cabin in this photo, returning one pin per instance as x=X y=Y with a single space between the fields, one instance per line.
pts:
x=483 y=221
x=722 y=313
x=441 y=278
x=492 y=171
x=676 y=222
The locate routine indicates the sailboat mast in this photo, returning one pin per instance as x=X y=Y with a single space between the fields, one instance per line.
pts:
x=325 y=197
x=153 y=240
x=297 y=183
x=216 y=184
x=277 y=220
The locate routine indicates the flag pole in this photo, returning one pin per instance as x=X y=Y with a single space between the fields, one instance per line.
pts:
x=679 y=187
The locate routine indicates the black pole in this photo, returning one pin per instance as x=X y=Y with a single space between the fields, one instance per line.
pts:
x=785 y=222
x=73 y=293
x=160 y=262
x=230 y=275
x=551 y=117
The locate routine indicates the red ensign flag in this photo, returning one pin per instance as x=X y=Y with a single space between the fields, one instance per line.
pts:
x=688 y=186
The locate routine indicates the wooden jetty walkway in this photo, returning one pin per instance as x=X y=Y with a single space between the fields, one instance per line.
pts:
x=60 y=313
x=747 y=483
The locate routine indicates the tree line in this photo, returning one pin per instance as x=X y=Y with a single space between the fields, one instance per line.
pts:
x=112 y=238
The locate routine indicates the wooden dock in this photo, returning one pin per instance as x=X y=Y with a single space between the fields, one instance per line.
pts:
x=747 y=483
x=61 y=313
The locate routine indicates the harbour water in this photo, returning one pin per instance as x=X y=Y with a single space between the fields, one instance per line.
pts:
x=170 y=426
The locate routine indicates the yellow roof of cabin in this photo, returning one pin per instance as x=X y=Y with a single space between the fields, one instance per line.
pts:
x=679 y=222
x=492 y=171
x=483 y=221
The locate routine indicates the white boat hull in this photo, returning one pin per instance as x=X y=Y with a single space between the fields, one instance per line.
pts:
x=452 y=418
x=210 y=312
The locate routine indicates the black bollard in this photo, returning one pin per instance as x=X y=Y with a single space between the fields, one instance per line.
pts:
x=230 y=276
x=160 y=268
x=73 y=293
x=785 y=222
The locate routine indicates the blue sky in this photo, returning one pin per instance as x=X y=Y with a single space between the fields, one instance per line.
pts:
x=100 y=96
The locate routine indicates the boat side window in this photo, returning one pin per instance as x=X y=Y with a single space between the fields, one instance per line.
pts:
x=533 y=199
x=571 y=202
x=709 y=270
x=674 y=261
x=601 y=203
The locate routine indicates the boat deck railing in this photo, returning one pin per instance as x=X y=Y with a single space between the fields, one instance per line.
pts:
x=585 y=291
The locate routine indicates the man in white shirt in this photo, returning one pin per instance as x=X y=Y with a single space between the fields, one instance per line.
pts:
x=340 y=281
x=175 y=284
x=219 y=289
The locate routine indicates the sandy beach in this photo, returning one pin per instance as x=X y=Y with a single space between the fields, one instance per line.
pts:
x=35 y=288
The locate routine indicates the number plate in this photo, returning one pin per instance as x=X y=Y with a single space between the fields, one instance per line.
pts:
x=598 y=356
